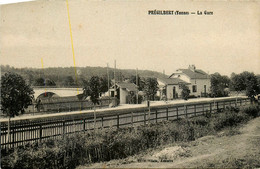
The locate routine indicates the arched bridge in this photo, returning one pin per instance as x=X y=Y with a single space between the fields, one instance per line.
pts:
x=56 y=92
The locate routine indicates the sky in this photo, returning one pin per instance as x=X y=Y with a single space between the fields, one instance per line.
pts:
x=12 y=1
x=103 y=31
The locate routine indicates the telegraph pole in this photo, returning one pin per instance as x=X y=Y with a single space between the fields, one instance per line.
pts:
x=137 y=85
x=108 y=80
x=115 y=80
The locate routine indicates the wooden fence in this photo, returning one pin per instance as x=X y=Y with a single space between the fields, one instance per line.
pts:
x=30 y=130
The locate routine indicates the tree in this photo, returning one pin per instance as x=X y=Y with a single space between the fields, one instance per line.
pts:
x=92 y=89
x=30 y=78
x=151 y=88
x=16 y=95
x=237 y=83
x=251 y=85
x=219 y=84
x=258 y=82
x=50 y=82
x=39 y=82
x=140 y=84
x=82 y=81
x=104 y=84
x=245 y=81
x=69 y=81
x=185 y=91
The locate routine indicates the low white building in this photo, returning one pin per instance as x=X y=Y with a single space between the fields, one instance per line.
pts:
x=170 y=87
x=124 y=91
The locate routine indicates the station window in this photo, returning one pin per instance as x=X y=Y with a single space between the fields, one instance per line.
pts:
x=194 y=88
x=112 y=93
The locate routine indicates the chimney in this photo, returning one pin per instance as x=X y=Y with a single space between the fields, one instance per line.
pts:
x=192 y=68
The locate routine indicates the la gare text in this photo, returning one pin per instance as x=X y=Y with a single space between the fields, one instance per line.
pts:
x=171 y=12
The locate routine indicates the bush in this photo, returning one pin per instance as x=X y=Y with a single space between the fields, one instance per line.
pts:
x=251 y=111
x=228 y=119
x=157 y=98
x=232 y=108
x=140 y=99
x=185 y=91
x=201 y=121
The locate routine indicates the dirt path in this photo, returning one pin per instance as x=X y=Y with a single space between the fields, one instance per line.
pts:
x=223 y=150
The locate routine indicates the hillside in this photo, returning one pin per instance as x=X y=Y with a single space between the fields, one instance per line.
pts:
x=60 y=74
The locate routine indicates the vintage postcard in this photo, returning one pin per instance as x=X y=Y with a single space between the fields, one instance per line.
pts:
x=130 y=84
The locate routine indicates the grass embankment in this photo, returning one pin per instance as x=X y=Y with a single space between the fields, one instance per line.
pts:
x=108 y=144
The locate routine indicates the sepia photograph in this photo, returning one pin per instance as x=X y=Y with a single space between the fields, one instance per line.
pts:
x=129 y=84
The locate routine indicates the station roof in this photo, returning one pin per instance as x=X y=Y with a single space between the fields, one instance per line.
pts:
x=172 y=81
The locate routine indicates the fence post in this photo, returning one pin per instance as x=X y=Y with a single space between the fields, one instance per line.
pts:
x=95 y=119
x=117 y=120
x=40 y=132
x=186 y=110
x=144 y=117
x=102 y=122
x=195 y=109
x=177 y=112
x=69 y=107
x=167 y=113
x=132 y=119
x=84 y=125
x=203 y=109
x=240 y=102
x=156 y=115
x=63 y=125
x=13 y=134
x=210 y=107
x=217 y=106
